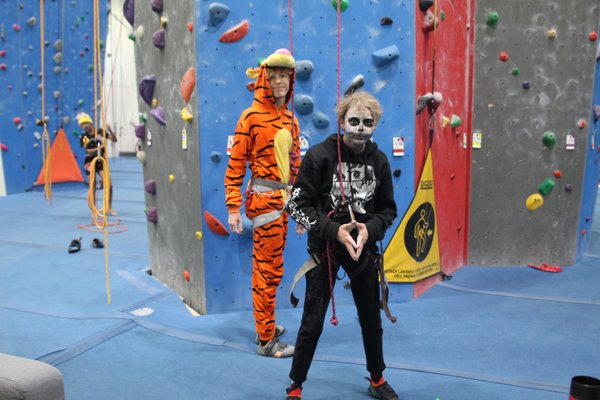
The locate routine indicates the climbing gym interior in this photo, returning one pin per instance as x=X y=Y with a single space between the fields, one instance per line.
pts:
x=120 y=276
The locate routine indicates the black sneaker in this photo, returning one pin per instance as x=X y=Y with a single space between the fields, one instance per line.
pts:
x=383 y=391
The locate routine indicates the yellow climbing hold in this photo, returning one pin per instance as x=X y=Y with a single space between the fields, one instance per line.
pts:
x=171 y=178
x=445 y=121
x=163 y=21
x=154 y=102
x=198 y=235
x=534 y=202
x=186 y=115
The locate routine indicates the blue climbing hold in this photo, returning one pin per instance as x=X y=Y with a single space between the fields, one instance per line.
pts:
x=384 y=56
x=320 y=121
x=215 y=156
x=217 y=13
x=304 y=69
x=303 y=104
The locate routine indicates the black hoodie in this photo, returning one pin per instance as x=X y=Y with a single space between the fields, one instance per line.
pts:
x=317 y=192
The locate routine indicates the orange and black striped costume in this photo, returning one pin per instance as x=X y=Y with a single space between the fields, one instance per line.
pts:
x=267 y=139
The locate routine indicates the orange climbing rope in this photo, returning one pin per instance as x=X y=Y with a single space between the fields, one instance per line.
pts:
x=45 y=136
x=100 y=216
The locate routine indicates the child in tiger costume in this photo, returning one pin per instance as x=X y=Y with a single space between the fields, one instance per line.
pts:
x=267 y=139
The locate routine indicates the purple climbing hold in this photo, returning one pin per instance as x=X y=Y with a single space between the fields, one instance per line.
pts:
x=157 y=6
x=129 y=11
x=147 y=88
x=526 y=85
x=152 y=215
x=159 y=115
x=596 y=112
x=150 y=186
x=140 y=131
x=158 y=39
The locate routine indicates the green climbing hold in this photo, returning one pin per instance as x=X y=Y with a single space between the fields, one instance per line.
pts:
x=455 y=121
x=131 y=36
x=492 y=19
x=143 y=118
x=260 y=61
x=101 y=44
x=80 y=103
x=549 y=138
x=546 y=186
x=442 y=15
x=343 y=4
x=90 y=67
x=515 y=71
x=76 y=133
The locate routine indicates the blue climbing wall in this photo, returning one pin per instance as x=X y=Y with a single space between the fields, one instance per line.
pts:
x=68 y=83
x=222 y=96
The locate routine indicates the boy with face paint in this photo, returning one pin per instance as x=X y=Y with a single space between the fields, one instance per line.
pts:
x=349 y=204
x=267 y=142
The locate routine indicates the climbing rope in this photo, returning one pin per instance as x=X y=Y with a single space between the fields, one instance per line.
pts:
x=45 y=136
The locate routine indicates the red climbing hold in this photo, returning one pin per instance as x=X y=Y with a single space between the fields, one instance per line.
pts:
x=3 y=147
x=186 y=275
x=558 y=173
x=2 y=53
x=593 y=36
x=190 y=26
x=503 y=56
x=17 y=120
x=16 y=27
x=236 y=33
x=547 y=268
x=215 y=225
x=187 y=84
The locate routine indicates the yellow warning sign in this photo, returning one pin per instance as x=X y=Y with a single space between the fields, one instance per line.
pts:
x=413 y=253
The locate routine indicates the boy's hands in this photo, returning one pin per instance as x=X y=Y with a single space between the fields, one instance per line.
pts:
x=354 y=247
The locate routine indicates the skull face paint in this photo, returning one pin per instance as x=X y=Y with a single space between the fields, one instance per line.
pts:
x=359 y=126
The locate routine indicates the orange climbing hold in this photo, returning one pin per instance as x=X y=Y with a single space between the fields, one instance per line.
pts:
x=186 y=275
x=503 y=56
x=236 y=33
x=188 y=82
x=215 y=225
x=593 y=36
x=190 y=26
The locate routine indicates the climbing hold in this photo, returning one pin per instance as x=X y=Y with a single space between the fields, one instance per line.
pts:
x=24 y=93
x=16 y=27
x=150 y=186
x=526 y=85
x=159 y=115
x=157 y=6
x=186 y=275
x=515 y=71
x=140 y=131
x=79 y=103
x=57 y=70
x=442 y=15
x=190 y=26
x=549 y=139
x=31 y=21
x=171 y=178
x=304 y=69
x=430 y=21
x=357 y=82
x=66 y=120
x=17 y=120
x=593 y=36
x=56 y=94
x=503 y=56
x=2 y=53
x=455 y=121
x=303 y=104
x=568 y=187
x=534 y=202
x=138 y=33
x=3 y=147
x=320 y=121
x=546 y=187
x=343 y=4
x=217 y=13
x=215 y=156
x=152 y=215
x=596 y=112
x=425 y=5
x=551 y=34
x=198 y=235
x=188 y=82
x=3 y=67
x=58 y=45
x=384 y=56
x=215 y=225
x=445 y=121
x=143 y=118
x=57 y=57
x=582 y=123
x=141 y=156
x=186 y=115
x=163 y=21
x=147 y=85
x=385 y=21
x=557 y=173
x=236 y=33
x=129 y=11
x=397 y=172
x=492 y=19
x=158 y=39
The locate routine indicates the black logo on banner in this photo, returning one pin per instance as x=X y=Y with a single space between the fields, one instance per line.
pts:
x=418 y=235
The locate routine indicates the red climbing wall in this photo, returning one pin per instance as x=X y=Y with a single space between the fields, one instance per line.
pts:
x=453 y=41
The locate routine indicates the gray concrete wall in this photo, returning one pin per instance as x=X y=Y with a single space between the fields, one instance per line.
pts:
x=513 y=161
x=174 y=247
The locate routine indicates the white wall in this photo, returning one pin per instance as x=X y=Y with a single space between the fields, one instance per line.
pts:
x=120 y=82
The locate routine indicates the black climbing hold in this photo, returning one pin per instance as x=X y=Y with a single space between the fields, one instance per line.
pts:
x=386 y=21
x=397 y=172
x=425 y=5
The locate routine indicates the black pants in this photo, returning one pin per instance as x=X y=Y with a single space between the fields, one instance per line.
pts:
x=365 y=291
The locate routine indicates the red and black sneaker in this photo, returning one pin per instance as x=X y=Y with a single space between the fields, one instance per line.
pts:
x=382 y=390
x=294 y=392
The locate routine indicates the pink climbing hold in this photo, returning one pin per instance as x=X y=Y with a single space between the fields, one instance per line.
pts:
x=236 y=33
x=17 y=120
x=3 y=147
x=16 y=27
x=3 y=67
x=2 y=53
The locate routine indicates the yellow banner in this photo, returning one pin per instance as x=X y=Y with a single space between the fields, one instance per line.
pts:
x=413 y=253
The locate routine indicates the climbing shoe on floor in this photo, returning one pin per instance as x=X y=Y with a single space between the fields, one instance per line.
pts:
x=275 y=348
x=75 y=245
x=97 y=243
x=382 y=391
x=294 y=393
x=279 y=329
